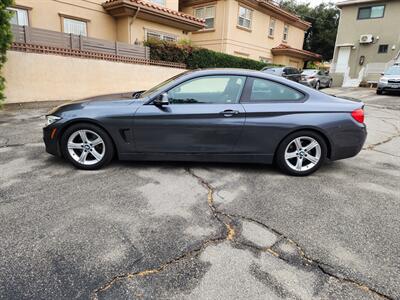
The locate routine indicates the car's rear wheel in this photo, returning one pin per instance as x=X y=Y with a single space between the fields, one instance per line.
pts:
x=379 y=92
x=87 y=146
x=317 y=85
x=301 y=153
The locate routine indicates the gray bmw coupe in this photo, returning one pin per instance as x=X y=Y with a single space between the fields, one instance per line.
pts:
x=223 y=115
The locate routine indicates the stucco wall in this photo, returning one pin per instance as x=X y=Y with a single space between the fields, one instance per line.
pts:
x=46 y=15
x=288 y=61
x=42 y=77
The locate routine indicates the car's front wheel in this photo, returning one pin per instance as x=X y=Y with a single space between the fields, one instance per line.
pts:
x=301 y=153
x=87 y=146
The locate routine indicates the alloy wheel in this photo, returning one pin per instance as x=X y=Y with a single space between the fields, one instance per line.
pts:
x=303 y=153
x=317 y=85
x=86 y=147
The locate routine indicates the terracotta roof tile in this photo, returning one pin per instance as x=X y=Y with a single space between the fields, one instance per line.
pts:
x=295 y=50
x=157 y=7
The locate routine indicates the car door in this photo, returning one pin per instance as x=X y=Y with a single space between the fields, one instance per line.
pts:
x=271 y=109
x=203 y=116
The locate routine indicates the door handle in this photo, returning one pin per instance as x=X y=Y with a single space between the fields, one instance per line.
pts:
x=229 y=112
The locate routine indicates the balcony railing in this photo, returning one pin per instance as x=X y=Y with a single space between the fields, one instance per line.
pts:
x=36 y=36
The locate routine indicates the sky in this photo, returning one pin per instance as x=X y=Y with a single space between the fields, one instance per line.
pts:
x=316 y=2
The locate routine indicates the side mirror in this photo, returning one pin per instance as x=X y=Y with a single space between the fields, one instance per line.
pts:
x=326 y=72
x=161 y=100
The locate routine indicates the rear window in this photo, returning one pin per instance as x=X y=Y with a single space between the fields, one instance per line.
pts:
x=267 y=90
x=309 y=72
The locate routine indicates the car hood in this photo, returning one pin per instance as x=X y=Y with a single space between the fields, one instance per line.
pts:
x=391 y=77
x=114 y=100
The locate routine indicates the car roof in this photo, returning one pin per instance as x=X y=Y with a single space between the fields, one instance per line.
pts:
x=242 y=72
x=225 y=71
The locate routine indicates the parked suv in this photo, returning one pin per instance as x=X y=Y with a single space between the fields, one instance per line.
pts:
x=390 y=80
x=316 y=78
x=287 y=72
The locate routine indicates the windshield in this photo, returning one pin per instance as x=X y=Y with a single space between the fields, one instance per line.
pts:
x=395 y=70
x=309 y=72
x=161 y=85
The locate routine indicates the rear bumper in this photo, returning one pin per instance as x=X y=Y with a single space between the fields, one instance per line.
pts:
x=50 y=139
x=348 y=143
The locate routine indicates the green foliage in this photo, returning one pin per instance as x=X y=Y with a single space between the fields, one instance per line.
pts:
x=196 y=58
x=204 y=58
x=5 y=39
x=324 y=19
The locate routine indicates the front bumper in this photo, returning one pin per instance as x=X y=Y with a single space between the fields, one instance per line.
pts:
x=50 y=139
x=388 y=87
x=309 y=83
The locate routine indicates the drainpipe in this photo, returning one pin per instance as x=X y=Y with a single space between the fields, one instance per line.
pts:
x=132 y=19
x=223 y=27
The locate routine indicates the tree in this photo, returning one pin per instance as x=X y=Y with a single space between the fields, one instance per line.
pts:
x=324 y=18
x=5 y=39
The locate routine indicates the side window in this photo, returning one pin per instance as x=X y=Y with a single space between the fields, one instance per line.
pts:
x=320 y=72
x=217 y=89
x=266 y=90
x=19 y=16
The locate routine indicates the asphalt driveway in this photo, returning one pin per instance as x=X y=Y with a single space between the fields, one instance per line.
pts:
x=200 y=231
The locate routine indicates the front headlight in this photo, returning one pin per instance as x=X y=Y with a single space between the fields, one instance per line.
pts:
x=383 y=80
x=51 y=119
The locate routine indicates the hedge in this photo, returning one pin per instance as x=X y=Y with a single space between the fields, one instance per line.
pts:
x=195 y=58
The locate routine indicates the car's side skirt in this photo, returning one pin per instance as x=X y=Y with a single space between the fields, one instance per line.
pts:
x=202 y=157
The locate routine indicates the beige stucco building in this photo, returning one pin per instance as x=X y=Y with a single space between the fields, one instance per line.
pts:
x=368 y=40
x=254 y=29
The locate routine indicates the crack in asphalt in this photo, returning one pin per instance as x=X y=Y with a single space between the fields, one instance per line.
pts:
x=323 y=267
x=223 y=218
x=389 y=139
x=228 y=220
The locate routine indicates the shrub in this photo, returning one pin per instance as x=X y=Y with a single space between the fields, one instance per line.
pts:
x=167 y=51
x=5 y=40
x=204 y=58
x=195 y=58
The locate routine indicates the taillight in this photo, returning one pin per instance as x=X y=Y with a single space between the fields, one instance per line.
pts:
x=358 y=115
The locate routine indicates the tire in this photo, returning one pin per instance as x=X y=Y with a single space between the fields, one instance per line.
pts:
x=379 y=92
x=317 y=85
x=288 y=153
x=330 y=83
x=87 y=146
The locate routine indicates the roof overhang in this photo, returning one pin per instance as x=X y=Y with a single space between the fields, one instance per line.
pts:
x=152 y=12
x=355 y=2
x=294 y=52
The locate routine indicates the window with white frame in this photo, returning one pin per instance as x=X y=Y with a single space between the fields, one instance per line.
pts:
x=264 y=59
x=285 y=32
x=271 y=29
x=207 y=13
x=19 y=16
x=245 y=16
x=159 y=2
x=74 y=26
x=160 y=36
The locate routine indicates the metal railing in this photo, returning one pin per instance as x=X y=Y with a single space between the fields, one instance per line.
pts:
x=43 y=37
